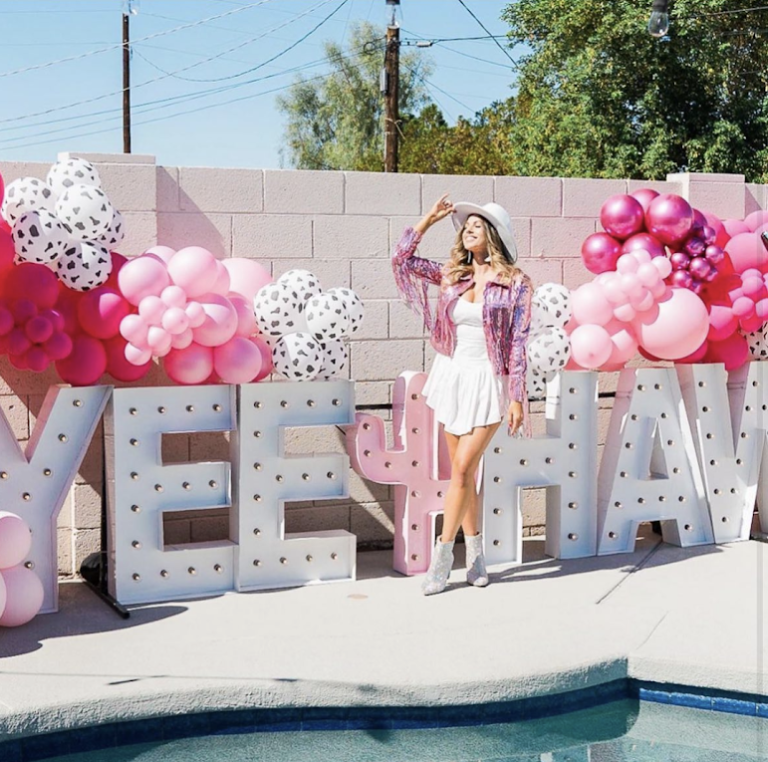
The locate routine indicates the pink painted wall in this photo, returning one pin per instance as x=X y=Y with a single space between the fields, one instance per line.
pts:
x=341 y=226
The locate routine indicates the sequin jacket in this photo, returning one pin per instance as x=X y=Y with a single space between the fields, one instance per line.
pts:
x=506 y=311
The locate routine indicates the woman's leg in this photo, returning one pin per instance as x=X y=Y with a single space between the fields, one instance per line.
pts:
x=461 y=498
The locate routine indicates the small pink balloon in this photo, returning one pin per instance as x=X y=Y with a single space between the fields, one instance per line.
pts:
x=222 y=284
x=756 y=219
x=137 y=355
x=266 y=357
x=663 y=266
x=133 y=328
x=117 y=364
x=238 y=361
x=644 y=302
x=589 y=305
x=195 y=313
x=152 y=308
x=694 y=247
x=700 y=268
x=173 y=296
x=622 y=216
x=680 y=261
x=714 y=254
x=23 y=310
x=158 y=340
x=624 y=344
x=761 y=309
x=175 y=321
x=193 y=269
x=648 y=274
x=627 y=264
x=669 y=218
x=659 y=289
x=220 y=321
x=246 y=276
x=15 y=539
x=746 y=251
x=38 y=330
x=58 y=346
x=182 y=340
x=631 y=284
x=100 y=312
x=709 y=235
x=624 y=313
x=86 y=363
x=24 y=596
x=591 y=346
x=751 y=286
x=600 y=252
x=142 y=276
x=743 y=307
x=644 y=242
x=6 y=321
x=37 y=359
x=644 y=196
x=162 y=253
x=735 y=227
x=246 y=320
x=614 y=293
x=682 y=279
x=192 y=365
x=18 y=343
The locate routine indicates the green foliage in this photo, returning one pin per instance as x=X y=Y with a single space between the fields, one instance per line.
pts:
x=598 y=97
x=338 y=122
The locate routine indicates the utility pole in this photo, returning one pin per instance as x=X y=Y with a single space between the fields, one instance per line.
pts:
x=129 y=9
x=391 y=91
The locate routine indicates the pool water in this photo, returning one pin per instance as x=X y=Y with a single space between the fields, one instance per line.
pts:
x=623 y=731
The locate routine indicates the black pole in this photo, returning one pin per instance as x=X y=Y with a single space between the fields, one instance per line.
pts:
x=391 y=105
x=126 y=85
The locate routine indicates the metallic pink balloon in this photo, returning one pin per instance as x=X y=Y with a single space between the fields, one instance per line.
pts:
x=714 y=254
x=680 y=260
x=682 y=279
x=694 y=246
x=644 y=242
x=600 y=252
x=622 y=216
x=669 y=218
x=709 y=234
x=699 y=268
x=699 y=221
x=645 y=196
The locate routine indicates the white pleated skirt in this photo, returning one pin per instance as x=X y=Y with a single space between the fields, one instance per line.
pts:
x=463 y=390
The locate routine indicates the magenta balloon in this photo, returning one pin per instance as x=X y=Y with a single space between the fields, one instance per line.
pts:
x=37 y=359
x=680 y=327
x=699 y=221
x=38 y=329
x=756 y=219
x=746 y=250
x=699 y=268
x=733 y=351
x=600 y=252
x=669 y=218
x=192 y=365
x=24 y=596
x=266 y=357
x=714 y=254
x=645 y=196
x=622 y=216
x=644 y=242
x=100 y=312
x=722 y=322
x=15 y=539
x=694 y=246
x=87 y=362
x=680 y=260
x=709 y=235
x=682 y=279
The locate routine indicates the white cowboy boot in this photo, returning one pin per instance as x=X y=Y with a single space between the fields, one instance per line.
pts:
x=439 y=568
x=476 y=572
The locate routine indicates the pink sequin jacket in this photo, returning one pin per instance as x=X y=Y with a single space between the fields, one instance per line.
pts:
x=506 y=311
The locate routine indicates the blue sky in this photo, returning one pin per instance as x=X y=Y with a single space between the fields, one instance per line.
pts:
x=47 y=104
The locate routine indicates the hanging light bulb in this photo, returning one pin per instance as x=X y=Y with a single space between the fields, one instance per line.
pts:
x=658 y=23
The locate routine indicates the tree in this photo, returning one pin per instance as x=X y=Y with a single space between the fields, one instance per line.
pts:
x=598 y=97
x=338 y=121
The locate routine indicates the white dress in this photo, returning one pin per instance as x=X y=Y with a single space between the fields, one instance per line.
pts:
x=463 y=390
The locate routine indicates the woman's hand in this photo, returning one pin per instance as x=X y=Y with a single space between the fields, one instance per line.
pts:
x=440 y=210
x=515 y=416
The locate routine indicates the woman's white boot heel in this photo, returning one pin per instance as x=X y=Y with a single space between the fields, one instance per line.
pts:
x=439 y=568
x=476 y=572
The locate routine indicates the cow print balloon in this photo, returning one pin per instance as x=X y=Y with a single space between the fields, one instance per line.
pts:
x=297 y=356
x=84 y=266
x=758 y=343
x=327 y=317
x=85 y=212
x=39 y=237
x=24 y=195
x=116 y=233
x=535 y=383
x=303 y=282
x=550 y=306
x=335 y=355
x=549 y=351
x=278 y=310
x=354 y=307
x=65 y=174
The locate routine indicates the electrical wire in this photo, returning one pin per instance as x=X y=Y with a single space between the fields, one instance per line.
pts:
x=487 y=31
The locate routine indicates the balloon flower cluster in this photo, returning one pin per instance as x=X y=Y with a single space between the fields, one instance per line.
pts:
x=307 y=327
x=21 y=591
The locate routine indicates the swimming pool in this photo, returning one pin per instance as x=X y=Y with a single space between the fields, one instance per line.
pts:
x=627 y=730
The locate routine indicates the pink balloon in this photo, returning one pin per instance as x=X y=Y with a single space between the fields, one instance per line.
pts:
x=58 y=346
x=746 y=251
x=721 y=234
x=246 y=320
x=756 y=219
x=682 y=279
x=3 y=595
x=644 y=242
x=627 y=264
x=700 y=268
x=193 y=269
x=238 y=361
x=613 y=292
x=118 y=366
x=631 y=285
x=37 y=359
x=18 y=343
x=100 y=311
x=134 y=328
x=152 y=308
x=24 y=596
x=624 y=313
x=195 y=313
x=733 y=351
x=589 y=305
x=266 y=357
x=220 y=321
x=182 y=340
x=6 y=321
x=246 y=276
x=743 y=307
x=175 y=320
x=38 y=330
x=696 y=356
x=600 y=252
x=86 y=364
x=669 y=218
x=137 y=355
x=173 y=296
x=158 y=340
x=34 y=282
x=163 y=253
x=679 y=327
x=142 y=276
x=15 y=539
x=23 y=310
x=192 y=365
x=648 y=274
x=591 y=346
x=644 y=196
x=622 y=216
x=722 y=322
x=663 y=266
x=735 y=227
x=222 y=284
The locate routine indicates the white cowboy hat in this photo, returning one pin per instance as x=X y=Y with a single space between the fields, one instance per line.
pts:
x=496 y=215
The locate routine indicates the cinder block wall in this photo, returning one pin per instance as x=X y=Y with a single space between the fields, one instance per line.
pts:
x=341 y=226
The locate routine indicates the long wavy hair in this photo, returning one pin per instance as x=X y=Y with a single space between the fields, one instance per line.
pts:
x=457 y=267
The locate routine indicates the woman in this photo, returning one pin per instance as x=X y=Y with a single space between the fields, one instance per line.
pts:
x=479 y=330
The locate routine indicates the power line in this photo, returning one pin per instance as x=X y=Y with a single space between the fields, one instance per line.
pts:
x=487 y=31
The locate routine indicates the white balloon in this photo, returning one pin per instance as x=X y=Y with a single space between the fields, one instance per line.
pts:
x=549 y=351
x=535 y=382
x=758 y=343
x=327 y=317
x=335 y=356
x=297 y=356
x=116 y=232
x=24 y=195
x=85 y=211
x=354 y=305
x=65 y=174
x=84 y=266
x=39 y=237
x=550 y=306
x=278 y=310
x=303 y=282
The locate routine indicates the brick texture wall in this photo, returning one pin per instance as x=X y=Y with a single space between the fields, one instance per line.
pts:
x=341 y=226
